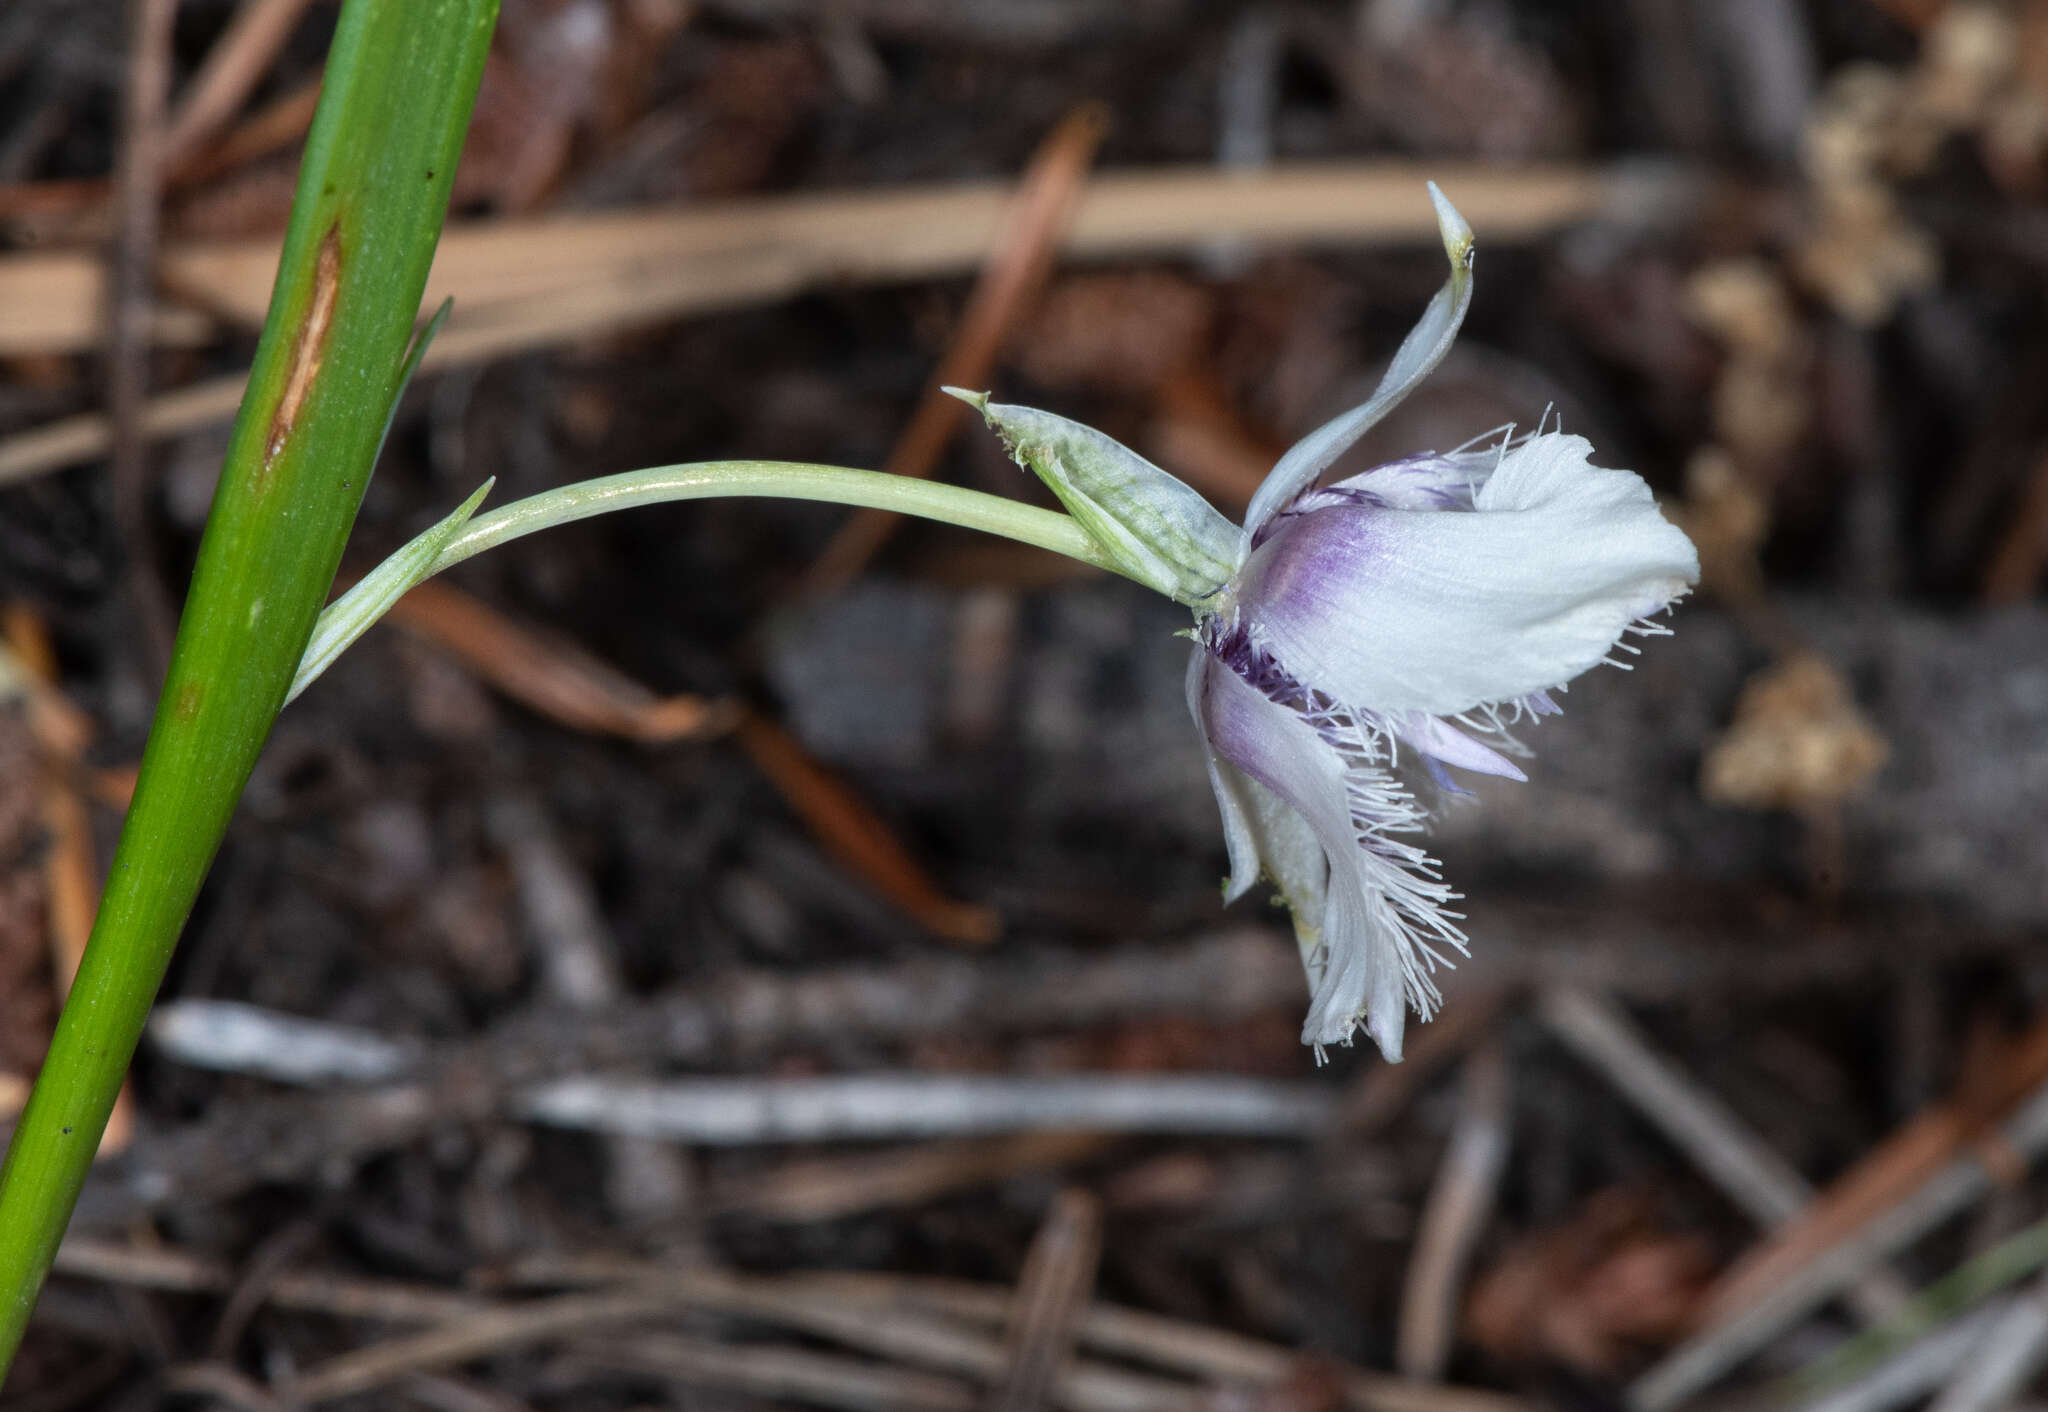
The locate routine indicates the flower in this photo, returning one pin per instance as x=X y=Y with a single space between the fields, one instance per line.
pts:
x=1430 y=604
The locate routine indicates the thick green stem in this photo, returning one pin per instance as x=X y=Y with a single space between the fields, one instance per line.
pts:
x=401 y=79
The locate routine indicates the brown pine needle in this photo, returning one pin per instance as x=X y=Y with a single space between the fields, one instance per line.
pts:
x=855 y=835
x=70 y=871
x=552 y=676
x=1014 y=273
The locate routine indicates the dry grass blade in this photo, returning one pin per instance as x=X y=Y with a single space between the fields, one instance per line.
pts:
x=462 y=1340
x=1825 y=1270
x=1052 y=1293
x=271 y=128
x=2004 y=1360
x=443 y=1392
x=532 y=284
x=1460 y=1201
x=70 y=871
x=856 y=836
x=138 y=189
x=1754 y=1176
x=222 y=1386
x=56 y=201
x=1890 y=1173
x=931 y=1336
x=826 y=1189
x=777 y=1371
x=756 y=249
x=59 y=727
x=1203 y=438
x=233 y=67
x=377 y=1301
x=70 y=440
x=552 y=676
x=947 y=1324
x=1195 y=1350
x=1015 y=271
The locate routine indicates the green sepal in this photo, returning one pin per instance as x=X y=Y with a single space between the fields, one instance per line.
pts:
x=1158 y=529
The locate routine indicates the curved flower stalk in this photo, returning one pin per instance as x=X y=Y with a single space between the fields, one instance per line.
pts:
x=1423 y=607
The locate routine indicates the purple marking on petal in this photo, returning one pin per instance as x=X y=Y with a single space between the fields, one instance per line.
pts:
x=1442 y=777
x=1433 y=737
x=1429 y=481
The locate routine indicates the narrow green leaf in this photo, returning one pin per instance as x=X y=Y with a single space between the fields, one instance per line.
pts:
x=458 y=537
x=373 y=188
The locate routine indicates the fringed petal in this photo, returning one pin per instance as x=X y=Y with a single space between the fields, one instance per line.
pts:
x=1383 y=907
x=1431 y=481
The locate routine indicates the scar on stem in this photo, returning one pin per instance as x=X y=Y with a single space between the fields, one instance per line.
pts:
x=311 y=345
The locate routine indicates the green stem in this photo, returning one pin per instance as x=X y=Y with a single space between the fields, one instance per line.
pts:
x=452 y=540
x=782 y=480
x=379 y=163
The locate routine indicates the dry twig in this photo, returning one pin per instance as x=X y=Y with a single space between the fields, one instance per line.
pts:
x=828 y=1188
x=233 y=67
x=551 y=675
x=1460 y=1201
x=1818 y=1271
x=580 y=968
x=776 y=1371
x=460 y=1340
x=70 y=870
x=857 y=837
x=137 y=191
x=730 y=1112
x=1754 y=1176
x=1052 y=1293
x=941 y=1323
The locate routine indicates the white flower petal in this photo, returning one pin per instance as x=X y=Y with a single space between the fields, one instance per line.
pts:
x=1231 y=800
x=1418 y=355
x=1430 y=481
x=1440 y=611
x=1264 y=835
x=1381 y=916
x=1276 y=748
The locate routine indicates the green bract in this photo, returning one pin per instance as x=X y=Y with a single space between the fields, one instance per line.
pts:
x=1156 y=528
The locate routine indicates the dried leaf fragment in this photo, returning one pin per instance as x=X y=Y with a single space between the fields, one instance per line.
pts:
x=1798 y=742
x=1584 y=1293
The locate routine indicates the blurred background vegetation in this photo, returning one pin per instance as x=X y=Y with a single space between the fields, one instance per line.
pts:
x=1750 y=1047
